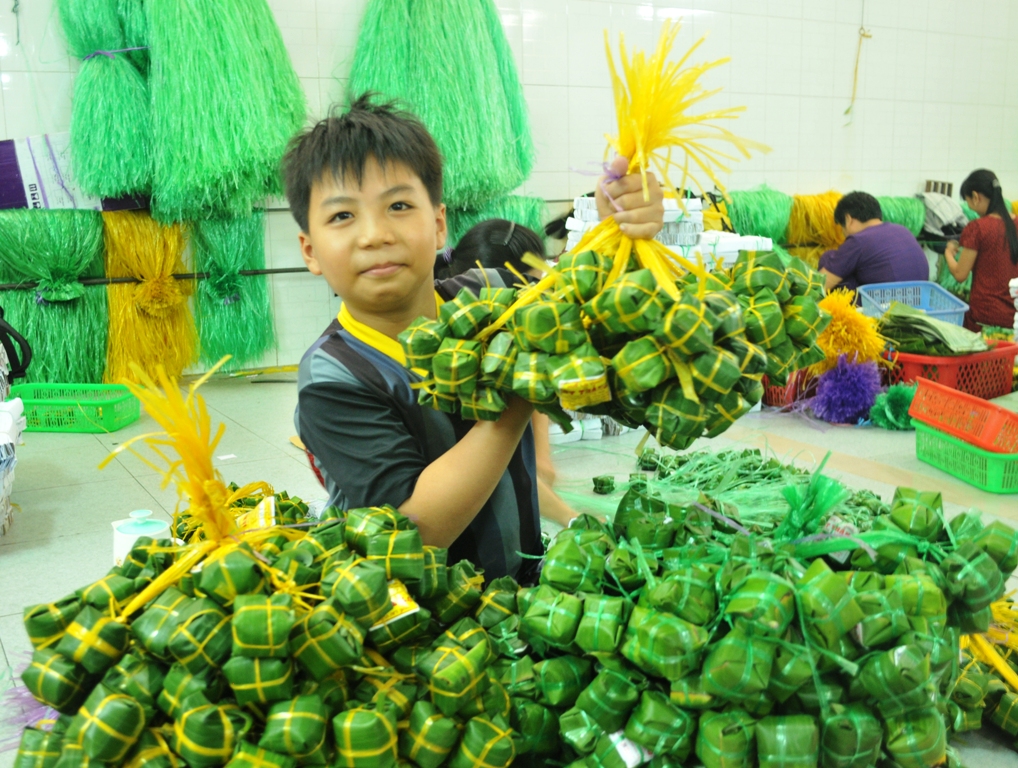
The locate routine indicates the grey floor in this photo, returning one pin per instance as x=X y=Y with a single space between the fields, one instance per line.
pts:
x=62 y=539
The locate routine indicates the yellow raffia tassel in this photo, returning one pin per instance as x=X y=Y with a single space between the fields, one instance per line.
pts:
x=150 y=321
x=810 y=254
x=811 y=223
x=850 y=333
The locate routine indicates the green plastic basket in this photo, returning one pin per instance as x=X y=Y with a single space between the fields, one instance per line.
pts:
x=993 y=472
x=77 y=407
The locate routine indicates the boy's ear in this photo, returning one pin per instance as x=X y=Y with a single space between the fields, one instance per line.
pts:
x=441 y=227
x=307 y=251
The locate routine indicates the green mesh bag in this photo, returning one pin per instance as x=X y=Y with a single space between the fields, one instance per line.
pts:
x=688 y=326
x=498 y=602
x=531 y=380
x=663 y=645
x=207 y=734
x=739 y=667
x=728 y=316
x=179 y=685
x=94 y=640
x=674 y=420
x=455 y=674
x=360 y=588
x=326 y=640
x=579 y=731
x=552 y=617
x=429 y=737
x=107 y=725
x=261 y=626
x=916 y=740
x=296 y=727
x=756 y=271
x=850 y=737
x=203 y=637
x=898 y=680
x=804 y=320
x=569 y=567
x=660 y=727
x=602 y=624
x=765 y=324
x=464 y=315
x=463 y=594
x=153 y=628
x=365 y=522
x=726 y=739
x=499 y=362
x=764 y=603
x=456 y=365
x=421 y=341
x=828 y=606
x=687 y=592
x=715 y=372
x=259 y=680
x=549 y=326
x=366 y=737
x=585 y=273
x=885 y=620
x=236 y=573
x=973 y=578
x=725 y=412
x=560 y=681
x=612 y=696
x=535 y=727
x=137 y=677
x=633 y=304
x=46 y=623
x=787 y=741
x=486 y=743
x=641 y=365
x=56 y=681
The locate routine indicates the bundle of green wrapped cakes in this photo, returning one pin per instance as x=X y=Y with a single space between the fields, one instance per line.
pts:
x=671 y=632
x=684 y=360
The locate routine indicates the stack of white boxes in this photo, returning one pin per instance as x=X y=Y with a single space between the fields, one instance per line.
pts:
x=681 y=229
x=725 y=246
x=12 y=422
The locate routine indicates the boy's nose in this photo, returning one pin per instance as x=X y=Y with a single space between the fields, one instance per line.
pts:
x=375 y=232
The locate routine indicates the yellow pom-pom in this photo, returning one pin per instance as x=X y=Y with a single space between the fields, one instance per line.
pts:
x=850 y=333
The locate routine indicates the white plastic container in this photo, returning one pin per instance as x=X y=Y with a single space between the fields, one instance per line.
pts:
x=129 y=530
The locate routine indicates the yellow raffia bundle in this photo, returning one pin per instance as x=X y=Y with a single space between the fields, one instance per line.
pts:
x=150 y=322
x=811 y=226
x=850 y=333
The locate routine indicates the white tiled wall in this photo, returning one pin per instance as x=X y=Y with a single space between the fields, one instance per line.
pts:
x=937 y=94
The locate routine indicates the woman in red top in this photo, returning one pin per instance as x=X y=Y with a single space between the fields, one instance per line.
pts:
x=989 y=250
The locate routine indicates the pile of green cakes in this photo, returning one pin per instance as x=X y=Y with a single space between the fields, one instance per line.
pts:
x=683 y=361
x=672 y=631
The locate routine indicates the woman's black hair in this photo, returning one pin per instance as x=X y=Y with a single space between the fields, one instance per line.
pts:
x=986 y=183
x=493 y=243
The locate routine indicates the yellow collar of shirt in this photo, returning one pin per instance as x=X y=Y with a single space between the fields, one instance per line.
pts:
x=373 y=338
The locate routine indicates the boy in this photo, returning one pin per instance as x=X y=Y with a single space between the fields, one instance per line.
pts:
x=366 y=190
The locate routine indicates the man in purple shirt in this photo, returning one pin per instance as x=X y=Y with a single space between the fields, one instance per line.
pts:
x=874 y=251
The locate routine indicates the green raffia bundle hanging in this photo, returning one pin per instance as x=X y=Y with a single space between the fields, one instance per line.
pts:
x=223 y=58
x=528 y=211
x=234 y=316
x=404 y=47
x=111 y=126
x=910 y=212
x=762 y=211
x=65 y=321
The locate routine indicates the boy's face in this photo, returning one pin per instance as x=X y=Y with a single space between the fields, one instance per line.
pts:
x=375 y=243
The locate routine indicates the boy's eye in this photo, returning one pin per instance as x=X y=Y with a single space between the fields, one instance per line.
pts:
x=342 y=216
x=401 y=206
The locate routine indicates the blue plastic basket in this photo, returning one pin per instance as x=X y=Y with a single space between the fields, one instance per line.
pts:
x=932 y=299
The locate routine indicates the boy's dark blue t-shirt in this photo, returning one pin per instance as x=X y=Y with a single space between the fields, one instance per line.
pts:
x=357 y=413
x=886 y=253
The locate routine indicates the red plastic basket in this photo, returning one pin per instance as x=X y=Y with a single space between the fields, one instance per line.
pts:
x=801 y=385
x=968 y=418
x=985 y=374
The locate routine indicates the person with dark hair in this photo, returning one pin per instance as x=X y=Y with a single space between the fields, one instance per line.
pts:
x=366 y=189
x=874 y=251
x=494 y=243
x=989 y=251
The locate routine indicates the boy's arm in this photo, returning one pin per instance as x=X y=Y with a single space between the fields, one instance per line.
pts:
x=452 y=489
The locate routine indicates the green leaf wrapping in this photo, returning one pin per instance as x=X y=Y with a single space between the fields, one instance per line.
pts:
x=505 y=638
x=560 y=681
x=429 y=737
x=584 y=272
x=499 y=362
x=455 y=674
x=203 y=638
x=250 y=756
x=898 y=680
x=916 y=740
x=153 y=628
x=107 y=725
x=791 y=670
x=919 y=513
x=739 y=667
x=663 y=645
x=389 y=635
x=435 y=579
x=803 y=278
x=364 y=522
x=137 y=677
x=110 y=592
x=483 y=404
x=850 y=738
x=788 y=741
x=464 y=316
x=46 y=623
x=688 y=326
x=152 y=751
x=38 y=749
x=752 y=359
x=498 y=602
x=973 y=578
x=207 y=734
x=782 y=360
x=580 y=377
x=94 y=641
x=552 y=616
x=401 y=553
x=727 y=312
x=365 y=738
x=179 y=685
x=726 y=739
x=326 y=640
x=674 y=420
x=535 y=727
x=641 y=365
x=1005 y=714
x=757 y=271
x=236 y=573
x=715 y=372
x=687 y=592
x=614 y=750
x=463 y=594
x=765 y=325
x=660 y=727
x=602 y=624
x=499 y=299
x=764 y=602
x=492 y=702
x=804 y=320
x=486 y=743
x=725 y=412
x=611 y=696
x=1000 y=541
x=517 y=676
x=421 y=340
x=569 y=567
x=531 y=380
x=548 y=326
x=296 y=727
x=261 y=626
x=885 y=620
x=259 y=680
x=688 y=693
x=829 y=608
x=579 y=730
x=632 y=304
x=455 y=366
x=361 y=590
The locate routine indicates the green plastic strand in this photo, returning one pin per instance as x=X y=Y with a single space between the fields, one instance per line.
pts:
x=134 y=22
x=233 y=312
x=762 y=211
x=477 y=114
x=65 y=322
x=528 y=211
x=910 y=212
x=225 y=101
x=111 y=127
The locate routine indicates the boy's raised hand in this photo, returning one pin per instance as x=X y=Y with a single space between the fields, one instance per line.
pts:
x=638 y=218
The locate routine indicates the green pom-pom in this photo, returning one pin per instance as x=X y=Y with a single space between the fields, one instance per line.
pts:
x=890 y=411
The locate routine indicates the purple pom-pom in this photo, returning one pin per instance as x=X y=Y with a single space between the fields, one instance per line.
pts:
x=846 y=393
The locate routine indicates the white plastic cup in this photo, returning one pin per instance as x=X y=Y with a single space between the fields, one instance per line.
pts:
x=139 y=523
